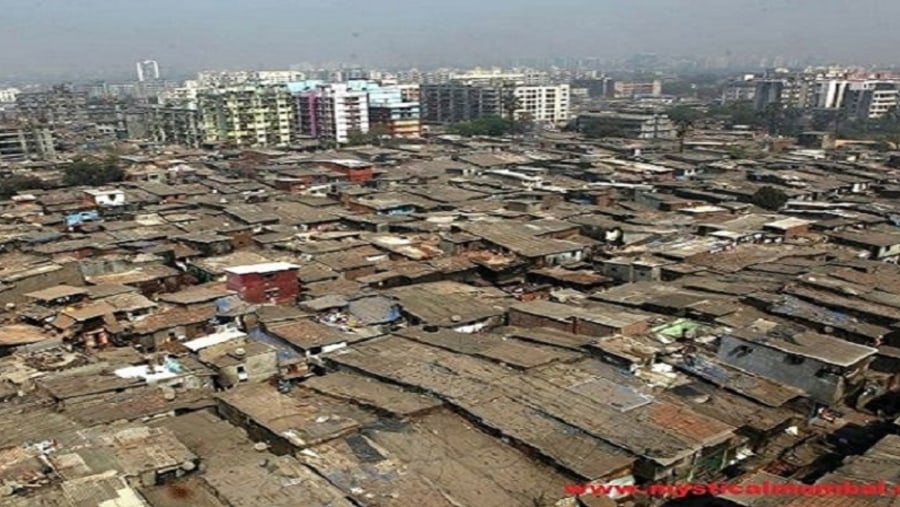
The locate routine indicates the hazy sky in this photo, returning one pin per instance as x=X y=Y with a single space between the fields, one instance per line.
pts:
x=57 y=36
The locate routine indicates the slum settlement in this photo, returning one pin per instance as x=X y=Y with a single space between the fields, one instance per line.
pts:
x=467 y=322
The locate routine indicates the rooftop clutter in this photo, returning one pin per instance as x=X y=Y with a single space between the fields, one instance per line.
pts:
x=458 y=323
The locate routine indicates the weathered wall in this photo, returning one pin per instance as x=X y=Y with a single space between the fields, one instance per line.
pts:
x=68 y=274
x=527 y=320
x=773 y=364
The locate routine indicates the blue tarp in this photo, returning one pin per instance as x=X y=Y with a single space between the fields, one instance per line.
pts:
x=374 y=310
x=285 y=352
x=81 y=217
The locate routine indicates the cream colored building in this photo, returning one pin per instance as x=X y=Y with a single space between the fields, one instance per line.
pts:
x=248 y=116
x=548 y=104
x=8 y=95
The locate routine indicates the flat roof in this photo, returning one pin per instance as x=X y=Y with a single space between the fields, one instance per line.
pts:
x=469 y=383
x=57 y=292
x=809 y=344
x=347 y=162
x=21 y=334
x=213 y=339
x=266 y=267
x=787 y=223
x=369 y=391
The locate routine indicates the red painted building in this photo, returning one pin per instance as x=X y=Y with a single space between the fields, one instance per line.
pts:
x=356 y=171
x=271 y=282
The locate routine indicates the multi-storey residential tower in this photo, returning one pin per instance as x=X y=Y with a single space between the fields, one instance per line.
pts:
x=61 y=104
x=396 y=110
x=22 y=142
x=147 y=70
x=8 y=95
x=174 y=125
x=252 y=115
x=543 y=104
x=871 y=99
x=460 y=100
x=797 y=91
x=330 y=111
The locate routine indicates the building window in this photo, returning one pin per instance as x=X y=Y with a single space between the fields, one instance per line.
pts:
x=794 y=359
x=741 y=351
x=828 y=373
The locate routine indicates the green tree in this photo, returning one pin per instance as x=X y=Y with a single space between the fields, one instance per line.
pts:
x=524 y=124
x=739 y=152
x=92 y=173
x=828 y=120
x=684 y=119
x=769 y=198
x=486 y=126
x=737 y=113
x=680 y=88
x=684 y=113
x=682 y=127
x=510 y=103
x=357 y=137
x=14 y=184
x=781 y=120
x=599 y=130
x=376 y=135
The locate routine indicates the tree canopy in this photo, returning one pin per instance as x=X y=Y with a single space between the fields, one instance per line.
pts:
x=769 y=198
x=375 y=135
x=885 y=129
x=92 y=173
x=684 y=115
x=598 y=130
x=775 y=118
x=684 y=119
x=486 y=126
x=14 y=184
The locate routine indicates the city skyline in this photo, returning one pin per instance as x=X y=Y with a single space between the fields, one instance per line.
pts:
x=95 y=38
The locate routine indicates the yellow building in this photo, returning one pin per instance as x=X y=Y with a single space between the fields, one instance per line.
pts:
x=248 y=116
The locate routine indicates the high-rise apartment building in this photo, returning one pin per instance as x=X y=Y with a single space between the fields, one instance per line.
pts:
x=411 y=76
x=272 y=77
x=330 y=111
x=598 y=87
x=830 y=93
x=252 y=115
x=396 y=110
x=460 y=100
x=871 y=99
x=739 y=90
x=8 y=95
x=542 y=104
x=224 y=78
x=23 y=142
x=881 y=99
x=859 y=97
x=630 y=89
x=147 y=70
x=796 y=91
x=184 y=96
x=61 y=104
x=768 y=91
x=629 y=125
x=171 y=125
